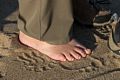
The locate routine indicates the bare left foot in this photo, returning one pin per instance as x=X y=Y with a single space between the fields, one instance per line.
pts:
x=69 y=51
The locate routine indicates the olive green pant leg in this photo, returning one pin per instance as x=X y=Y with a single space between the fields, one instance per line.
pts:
x=47 y=20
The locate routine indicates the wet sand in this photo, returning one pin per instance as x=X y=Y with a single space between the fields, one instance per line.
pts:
x=18 y=62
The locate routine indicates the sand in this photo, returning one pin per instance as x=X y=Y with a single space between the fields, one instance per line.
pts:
x=18 y=62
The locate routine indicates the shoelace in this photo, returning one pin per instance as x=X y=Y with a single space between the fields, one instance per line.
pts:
x=104 y=30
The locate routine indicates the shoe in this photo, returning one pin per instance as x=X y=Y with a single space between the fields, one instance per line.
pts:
x=114 y=38
x=101 y=25
x=103 y=18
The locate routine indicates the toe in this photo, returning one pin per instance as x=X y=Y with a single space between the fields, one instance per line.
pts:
x=81 y=52
x=88 y=51
x=62 y=58
x=68 y=57
x=75 y=55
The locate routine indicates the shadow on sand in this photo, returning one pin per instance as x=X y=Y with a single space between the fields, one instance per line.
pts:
x=6 y=8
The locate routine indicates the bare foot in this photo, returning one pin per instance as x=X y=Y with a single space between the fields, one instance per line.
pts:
x=69 y=51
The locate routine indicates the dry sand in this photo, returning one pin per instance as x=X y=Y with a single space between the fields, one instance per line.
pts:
x=18 y=62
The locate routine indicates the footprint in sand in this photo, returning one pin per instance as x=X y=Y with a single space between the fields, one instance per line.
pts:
x=87 y=69
x=78 y=65
x=88 y=65
x=97 y=63
x=78 y=68
x=34 y=62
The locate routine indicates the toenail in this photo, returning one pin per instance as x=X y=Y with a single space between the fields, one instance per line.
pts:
x=88 y=51
x=85 y=56
x=72 y=59
x=79 y=57
x=64 y=60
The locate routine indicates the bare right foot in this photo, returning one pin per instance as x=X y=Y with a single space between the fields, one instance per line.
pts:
x=69 y=51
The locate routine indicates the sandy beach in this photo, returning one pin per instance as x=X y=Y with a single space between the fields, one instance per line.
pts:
x=18 y=62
